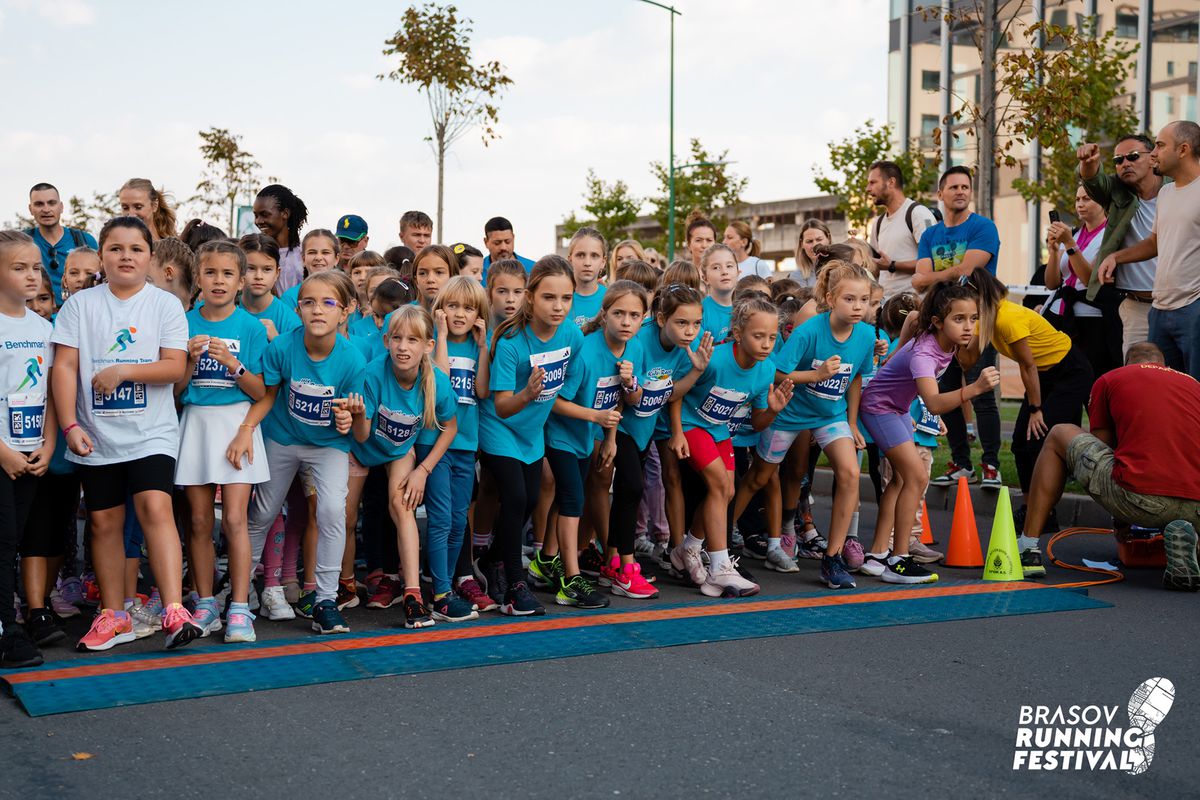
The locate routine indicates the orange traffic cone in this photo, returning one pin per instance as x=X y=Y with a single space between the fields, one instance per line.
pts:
x=964 y=548
x=926 y=532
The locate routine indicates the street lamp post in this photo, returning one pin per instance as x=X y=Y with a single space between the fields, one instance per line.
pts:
x=671 y=136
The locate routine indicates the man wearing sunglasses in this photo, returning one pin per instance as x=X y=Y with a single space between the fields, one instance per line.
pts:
x=1130 y=197
x=54 y=240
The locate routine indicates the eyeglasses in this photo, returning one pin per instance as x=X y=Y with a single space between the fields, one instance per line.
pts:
x=1132 y=157
x=329 y=304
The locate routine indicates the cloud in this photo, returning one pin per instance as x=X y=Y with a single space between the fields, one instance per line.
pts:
x=62 y=13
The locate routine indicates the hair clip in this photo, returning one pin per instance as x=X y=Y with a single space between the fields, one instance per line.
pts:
x=459 y=248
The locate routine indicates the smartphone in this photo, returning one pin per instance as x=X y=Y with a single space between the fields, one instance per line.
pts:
x=1054 y=216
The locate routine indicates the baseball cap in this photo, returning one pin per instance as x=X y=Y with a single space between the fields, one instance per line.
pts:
x=352 y=227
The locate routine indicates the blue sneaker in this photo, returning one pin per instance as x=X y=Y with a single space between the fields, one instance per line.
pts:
x=239 y=624
x=327 y=619
x=207 y=616
x=834 y=573
x=306 y=604
x=520 y=602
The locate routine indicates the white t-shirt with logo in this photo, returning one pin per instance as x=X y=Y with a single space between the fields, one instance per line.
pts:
x=136 y=420
x=25 y=372
x=898 y=243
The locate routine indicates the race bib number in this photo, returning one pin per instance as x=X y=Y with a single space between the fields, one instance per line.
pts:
x=310 y=403
x=720 y=404
x=608 y=393
x=928 y=423
x=739 y=423
x=395 y=427
x=26 y=415
x=554 y=362
x=834 y=387
x=210 y=374
x=462 y=379
x=655 y=395
x=127 y=398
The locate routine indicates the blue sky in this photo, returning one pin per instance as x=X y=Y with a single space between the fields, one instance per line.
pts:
x=104 y=91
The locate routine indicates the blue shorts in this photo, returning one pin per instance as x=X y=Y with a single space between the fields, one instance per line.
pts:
x=773 y=445
x=888 y=430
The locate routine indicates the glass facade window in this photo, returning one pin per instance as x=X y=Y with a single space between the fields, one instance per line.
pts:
x=1127 y=25
x=931 y=80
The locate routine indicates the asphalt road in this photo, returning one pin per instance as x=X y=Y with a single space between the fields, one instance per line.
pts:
x=912 y=711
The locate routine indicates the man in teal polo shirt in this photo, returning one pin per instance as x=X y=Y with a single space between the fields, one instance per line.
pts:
x=54 y=240
x=500 y=243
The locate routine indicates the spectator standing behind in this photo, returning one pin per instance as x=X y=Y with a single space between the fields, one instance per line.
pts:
x=740 y=239
x=416 y=230
x=1094 y=326
x=139 y=198
x=500 y=242
x=280 y=214
x=1130 y=199
x=351 y=232
x=1175 y=241
x=951 y=249
x=53 y=239
x=896 y=232
x=813 y=233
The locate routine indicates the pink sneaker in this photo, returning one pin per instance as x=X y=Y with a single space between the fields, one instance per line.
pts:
x=178 y=625
x=630 y=583
x=788 y=542
x=852 y=553
x=610 y=573
x=110 y=628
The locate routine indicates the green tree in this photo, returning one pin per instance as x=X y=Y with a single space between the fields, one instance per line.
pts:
x=850 y=160
x=608 y=207
x=708 y=187
x=229 y=173
x=434 y=48
x=91 y=213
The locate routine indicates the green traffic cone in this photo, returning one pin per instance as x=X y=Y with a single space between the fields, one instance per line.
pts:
x=1003 y=562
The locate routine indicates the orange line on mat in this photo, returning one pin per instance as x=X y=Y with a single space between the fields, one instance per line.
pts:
x=553 y=623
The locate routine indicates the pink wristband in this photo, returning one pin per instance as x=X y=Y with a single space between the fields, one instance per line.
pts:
x=70 y=428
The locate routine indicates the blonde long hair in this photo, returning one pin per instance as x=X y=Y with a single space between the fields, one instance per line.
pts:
x=418 y=321
x=164 y=215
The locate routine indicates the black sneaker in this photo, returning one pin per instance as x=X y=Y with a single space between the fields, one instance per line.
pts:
x=17 y=651
x=545 y=573
x=579 y=592
x=520 y=602
x=1179 y=541
x=491 y=579
x=416 y=615
x=590 y=561
x=907 y=570
x=1031 y=563
x=755 y=546
x=307 y=603
x=43 y=628
x=327 y=619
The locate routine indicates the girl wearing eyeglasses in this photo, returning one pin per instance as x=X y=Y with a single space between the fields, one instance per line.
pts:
x=314 y=385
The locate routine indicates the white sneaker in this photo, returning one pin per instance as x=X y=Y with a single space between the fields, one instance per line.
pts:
x=642 y=546
x=687 y=564
x=874 y=565
x=61 y=607
x=725 y=581
x=291 y=592
x=779 y=561
x=145 y=622
x=275 y=605
x=921 y=553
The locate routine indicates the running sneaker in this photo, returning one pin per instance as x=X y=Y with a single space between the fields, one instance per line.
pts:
x=687 y=565
x=578 y=591
x=1031 y=563
x=852 y=553
x=373 y=579
x=906 y=570
x=291 y=591
x=306 y=604
x=811 y=545
x=416 y=615
x=207 y=616
x=60 y=606
x=755 y=546
x=326 y=618
x=347 y=594
x=154 y=603
x=545 y=573
x=141 y=628
x=43 y=628
x=144 y=617
x=239 y=625
x=17 y=609
x=492 y=579
x=922 y=554
x=177 y=624
x=990 y=477
x=629 y=582
x=874 y=564
x=609 y=572
x=452 y=608
x=109 y=628
x=469 y=590
x=779 y=561
x=520 y=602
x=952 y=474
x=834 y=573
x=736 y=540
x=72 y=591
x=788 y=542
x=388 y=592
x=1182 y=573
x=725 y=581
x=91 y=590
x=590 y=561
x=643 y=546
x=17 y=651
x=275 y=605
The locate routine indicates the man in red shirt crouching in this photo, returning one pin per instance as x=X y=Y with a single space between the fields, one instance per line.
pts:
x=1138 y=461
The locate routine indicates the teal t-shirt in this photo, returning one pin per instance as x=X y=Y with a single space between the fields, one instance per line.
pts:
x=659 y=371
x=291 y=298
x=593 y=381
x=211 y=384
x=396 y=412
x=303 y=410
x=814 y=405
x=522 y=436
x=283 y=316
x=715 y=320
x=722 y=389
x=366 y=337
x=464 y=363
x=584 y=308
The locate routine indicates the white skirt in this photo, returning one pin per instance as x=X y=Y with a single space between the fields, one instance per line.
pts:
x=204 y=435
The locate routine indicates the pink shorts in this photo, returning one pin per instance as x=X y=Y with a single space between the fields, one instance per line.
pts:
x=703 y=450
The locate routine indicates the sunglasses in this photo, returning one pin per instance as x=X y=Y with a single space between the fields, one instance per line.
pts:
x=1132 y=157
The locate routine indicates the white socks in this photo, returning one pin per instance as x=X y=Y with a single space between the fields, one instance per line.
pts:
x=716 y=558
x=692 y=543
x=773 y=543
x=1026 y=543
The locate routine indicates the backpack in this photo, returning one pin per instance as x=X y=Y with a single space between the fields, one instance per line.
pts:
x=76 y=236
x=908 y=215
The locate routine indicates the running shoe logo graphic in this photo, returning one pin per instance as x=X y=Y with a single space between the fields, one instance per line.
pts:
x=33 y=371
x=124 y=339
x=1148 y=707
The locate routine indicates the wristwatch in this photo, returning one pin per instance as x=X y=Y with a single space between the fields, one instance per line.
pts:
x=1071 y=251
x=240 y=371
x=1034 y=409
x=891 y=267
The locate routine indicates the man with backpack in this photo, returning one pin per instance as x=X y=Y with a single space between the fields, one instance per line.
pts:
x=54 y=240
x=896 y=232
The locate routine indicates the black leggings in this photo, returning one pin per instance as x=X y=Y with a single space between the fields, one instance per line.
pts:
x=570 y=474
x=1065 y=389
x=51 y=522
x=16 y=497
x=379 y=531
x=627 y=490
x=517 y=485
